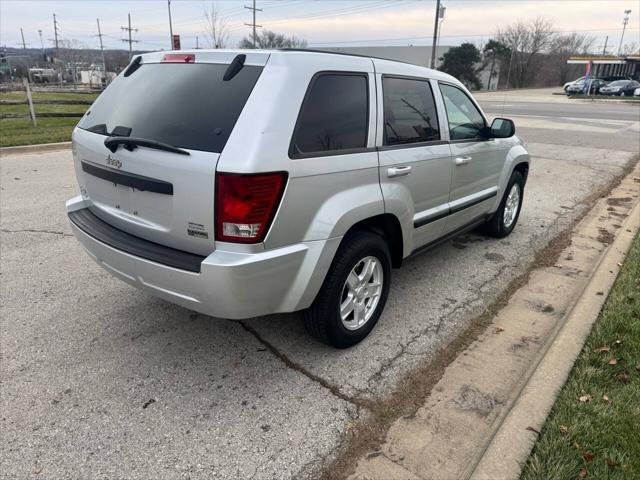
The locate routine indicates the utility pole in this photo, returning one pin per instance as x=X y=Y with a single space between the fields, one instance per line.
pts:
x=606 y=40
x=104 y=63
x=170 y=26
x=129 y=41
x=24 y=45
x=41 y=41
x=55 y=34
x=435 y=35
x=254 y=9
x=197 y=46
x=624 y=27
x=441 y=20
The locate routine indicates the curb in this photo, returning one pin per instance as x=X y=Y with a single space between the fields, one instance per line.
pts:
x=511 y=444
x=41 y=147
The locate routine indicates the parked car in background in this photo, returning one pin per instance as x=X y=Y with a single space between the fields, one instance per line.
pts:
x=613 y=78
x=566 y=85
x=579 y=88
x=43 y=75
x=620 y=88
x=636 y=92
x=244 y=183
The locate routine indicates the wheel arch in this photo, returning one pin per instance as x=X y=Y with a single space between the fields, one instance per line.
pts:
x=388 y=227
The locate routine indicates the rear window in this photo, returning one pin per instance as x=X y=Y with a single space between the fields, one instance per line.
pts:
x=185 y=105
x=334 y=115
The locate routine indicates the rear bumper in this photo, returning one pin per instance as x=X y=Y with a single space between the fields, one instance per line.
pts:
x=229 y=284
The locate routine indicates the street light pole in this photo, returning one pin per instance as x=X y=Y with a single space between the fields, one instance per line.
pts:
x=624 y=27
x=435 y=35
x=170 y=26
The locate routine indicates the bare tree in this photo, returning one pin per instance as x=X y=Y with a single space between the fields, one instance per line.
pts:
x=268 y=39
x=526 y=42
x=564 y=46
x=630 y=49
x=217 y=28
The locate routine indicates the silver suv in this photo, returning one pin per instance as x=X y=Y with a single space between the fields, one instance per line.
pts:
x=244 y=183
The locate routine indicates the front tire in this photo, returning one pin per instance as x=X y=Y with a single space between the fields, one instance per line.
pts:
x=354 y=292
x=504 y=220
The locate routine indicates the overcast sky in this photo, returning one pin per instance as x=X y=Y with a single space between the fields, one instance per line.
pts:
x=320 y=22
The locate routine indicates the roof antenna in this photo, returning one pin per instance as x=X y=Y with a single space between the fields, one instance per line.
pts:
x=234 y=67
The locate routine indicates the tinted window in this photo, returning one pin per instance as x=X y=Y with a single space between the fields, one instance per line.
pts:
x=334 y=115
x=465 y=120
x=410 y=114
x=186 y=105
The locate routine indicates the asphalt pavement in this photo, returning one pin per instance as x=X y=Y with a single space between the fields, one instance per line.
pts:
x=101 y=380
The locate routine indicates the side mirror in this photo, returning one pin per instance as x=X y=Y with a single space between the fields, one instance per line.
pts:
x=502 y=128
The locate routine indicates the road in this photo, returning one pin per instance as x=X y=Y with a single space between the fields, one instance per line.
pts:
x=100 y=380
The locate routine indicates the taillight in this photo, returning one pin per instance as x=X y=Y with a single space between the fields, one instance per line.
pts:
x=246 y=205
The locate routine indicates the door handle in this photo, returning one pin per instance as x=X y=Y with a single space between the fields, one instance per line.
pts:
x=463 y=160
x=398 y=171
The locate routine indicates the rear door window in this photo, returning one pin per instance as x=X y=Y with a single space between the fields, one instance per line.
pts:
x=334 y=116
x=185 y=105
x=465 y=120
x=410 y=114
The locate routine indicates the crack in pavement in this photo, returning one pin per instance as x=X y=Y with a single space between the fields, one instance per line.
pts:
x=33 y=230
x=431 y=329
x=335 y=391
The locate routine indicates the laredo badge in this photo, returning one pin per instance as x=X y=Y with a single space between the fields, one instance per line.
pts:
x=197 y=230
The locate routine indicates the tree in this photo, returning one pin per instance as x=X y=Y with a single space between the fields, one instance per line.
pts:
x=527 y=41
x=268 y=40
x=460 y=62
x=217 y=28
x=496 y=52
x=564 y=46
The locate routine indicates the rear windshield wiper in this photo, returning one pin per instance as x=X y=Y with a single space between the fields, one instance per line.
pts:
x=131 y=143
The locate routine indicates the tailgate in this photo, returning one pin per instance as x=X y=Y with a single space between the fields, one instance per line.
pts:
x=188 y=102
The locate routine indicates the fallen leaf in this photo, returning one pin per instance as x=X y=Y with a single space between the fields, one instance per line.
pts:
x=582 y=473
x=622 y=377
x=618 y=342
x=498 y=330
x=638 y=367
x=612 y=463
x=564 y=430
x=576 y=445
x=603 y=348
x=585 y=398
x=606 y=398
x=531 y=429
x=613 y=361
x=588 y=456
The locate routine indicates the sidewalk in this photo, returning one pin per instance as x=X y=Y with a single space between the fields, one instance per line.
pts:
x=481 y=418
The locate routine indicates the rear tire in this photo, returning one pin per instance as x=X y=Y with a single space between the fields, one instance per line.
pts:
x=347 y=284
x=504 y=220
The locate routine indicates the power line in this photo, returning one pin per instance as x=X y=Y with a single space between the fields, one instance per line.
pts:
x=129 y=30
x=253 y=9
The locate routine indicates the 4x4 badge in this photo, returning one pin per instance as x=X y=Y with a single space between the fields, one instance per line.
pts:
x=113 y=162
